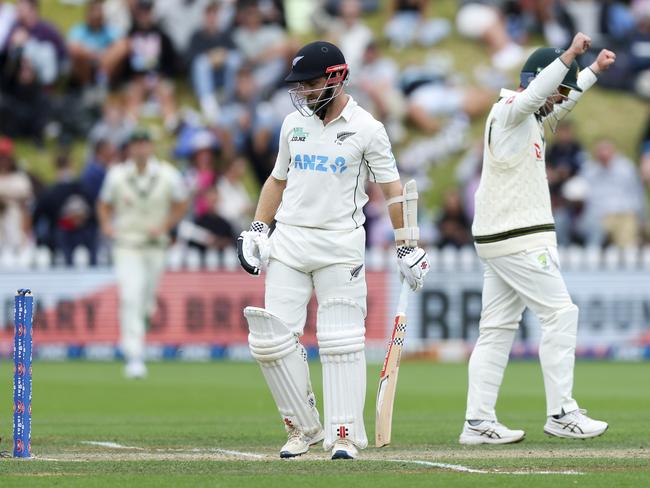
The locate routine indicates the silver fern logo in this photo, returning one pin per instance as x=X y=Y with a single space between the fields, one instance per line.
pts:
x=342 y=136
x=354 y=272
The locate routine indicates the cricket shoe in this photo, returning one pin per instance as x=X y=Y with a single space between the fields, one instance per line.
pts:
x=574 y=425
x=344 y=449
x=298 y=443
x=135 y=370
x=489 y=432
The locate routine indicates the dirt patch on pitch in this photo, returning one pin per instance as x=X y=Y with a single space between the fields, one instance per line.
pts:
x=516 y=453
x=392 y=455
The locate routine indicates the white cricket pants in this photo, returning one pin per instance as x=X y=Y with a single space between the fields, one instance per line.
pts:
x=331 y=263
x=138 y=273
x=304 y=260
x=511 y=283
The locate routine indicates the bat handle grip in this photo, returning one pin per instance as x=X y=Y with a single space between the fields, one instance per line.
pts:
x=403 y=298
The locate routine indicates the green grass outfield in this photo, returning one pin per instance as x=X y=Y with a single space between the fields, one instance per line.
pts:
x=214 y=424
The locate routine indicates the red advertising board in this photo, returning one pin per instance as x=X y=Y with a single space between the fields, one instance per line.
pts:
x=193 y=308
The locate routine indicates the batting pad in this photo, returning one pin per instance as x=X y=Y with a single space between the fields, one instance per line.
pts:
x=283 y=361
x=341 y=346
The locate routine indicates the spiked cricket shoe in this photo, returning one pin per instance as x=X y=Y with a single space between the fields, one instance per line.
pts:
x=344 y=449
x=298 y=443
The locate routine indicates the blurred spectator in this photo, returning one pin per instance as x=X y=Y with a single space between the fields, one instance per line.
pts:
x=33 y=57
x=482 y=20
x=264 y=47
x=235 y=204
x=203 y=173
x=454 y=228
x=564 y=159
x=566 y=155
x=375 y=86
x=546 y=13
x=40 y=41
x=64 y=215
x=409 y=23
x=119 y=15
x=605 y=22
x=220 y=233
x=213 y=61
x=379 y=230
x=332 y=7
x=615 y=203
x=148 y=59
x=350 y=34
x=644 y=147
x=638 y=49
x=87 y=43
x=180 y=27
x=468 y=175
x=247 y=126
x=114 y=126
x=7 y=19
x=15 y=197
x=24 y=104
x=571 y=226
x=104 y=153
x=432 y=100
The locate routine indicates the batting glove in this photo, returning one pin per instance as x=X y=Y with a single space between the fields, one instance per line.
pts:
x=413 y=266
x=253 y=248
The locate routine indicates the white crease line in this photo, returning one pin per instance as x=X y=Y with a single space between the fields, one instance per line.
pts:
x=215 y=451
x=238 y=453
x=112 y=445
x=464 y=469
x=39 y=458
x=115 y=445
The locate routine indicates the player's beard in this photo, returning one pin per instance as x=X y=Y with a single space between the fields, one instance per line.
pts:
x=556 y=107
x=308 y=103
x=320 y=107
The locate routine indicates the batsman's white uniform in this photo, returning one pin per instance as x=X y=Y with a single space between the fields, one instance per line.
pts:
x=514 y=235
x=141 y=202
x=318 y=244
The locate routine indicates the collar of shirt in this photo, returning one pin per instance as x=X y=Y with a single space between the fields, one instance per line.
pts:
x=151 y=169
x=507 y=93
x=346 y=113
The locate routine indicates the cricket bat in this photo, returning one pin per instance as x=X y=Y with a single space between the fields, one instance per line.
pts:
x=388 y=374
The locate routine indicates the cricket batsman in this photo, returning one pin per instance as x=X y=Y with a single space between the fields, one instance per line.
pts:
x=141 y=200
x=329 y=148
x=514 y=235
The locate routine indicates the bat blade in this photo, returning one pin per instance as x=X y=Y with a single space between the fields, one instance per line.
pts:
x=388 y=383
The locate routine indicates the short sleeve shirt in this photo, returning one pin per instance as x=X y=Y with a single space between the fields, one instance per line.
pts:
x=327 y=167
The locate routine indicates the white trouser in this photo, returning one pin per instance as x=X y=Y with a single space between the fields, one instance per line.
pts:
x=340 y=337
x=138 y=272
x=511 y=283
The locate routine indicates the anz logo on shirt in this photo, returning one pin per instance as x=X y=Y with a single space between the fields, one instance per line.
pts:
x=318 y=163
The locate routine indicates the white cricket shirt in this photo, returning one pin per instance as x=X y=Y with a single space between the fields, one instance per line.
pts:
x=141 y=202
x=513 y=203
x=326 y=168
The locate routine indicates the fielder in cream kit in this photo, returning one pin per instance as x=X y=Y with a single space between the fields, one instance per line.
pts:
x=514 y=234
x=329 y=148
x=141 y=200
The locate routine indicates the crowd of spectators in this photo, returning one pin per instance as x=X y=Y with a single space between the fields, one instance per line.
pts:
x=209 y=74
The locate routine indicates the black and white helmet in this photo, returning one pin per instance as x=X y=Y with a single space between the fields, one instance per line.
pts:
x=315 y=60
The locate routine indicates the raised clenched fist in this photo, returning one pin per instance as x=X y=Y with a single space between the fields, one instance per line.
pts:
x=580 y=44
x=604 y=60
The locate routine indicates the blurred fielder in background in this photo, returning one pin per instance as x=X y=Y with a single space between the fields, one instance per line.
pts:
x=329 y=148
x=140 y=202
x=514 y=234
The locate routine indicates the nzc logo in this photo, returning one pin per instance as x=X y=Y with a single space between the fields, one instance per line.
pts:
x=314 y=162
